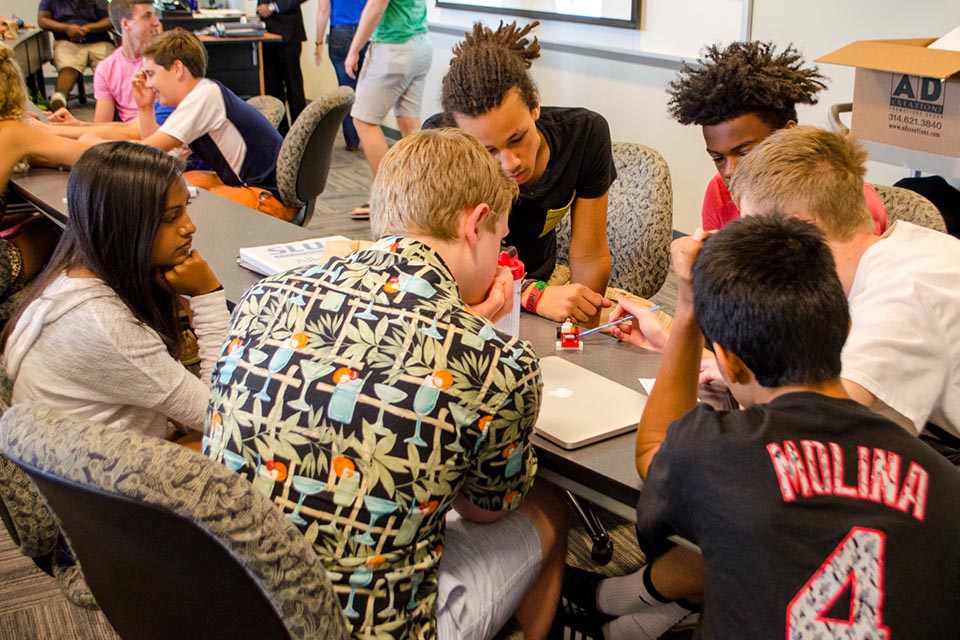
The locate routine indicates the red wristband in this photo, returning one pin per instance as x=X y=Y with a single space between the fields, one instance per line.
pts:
x=534 y=298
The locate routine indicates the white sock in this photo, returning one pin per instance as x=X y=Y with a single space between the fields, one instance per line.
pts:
x=623 y=595
x=648 y=625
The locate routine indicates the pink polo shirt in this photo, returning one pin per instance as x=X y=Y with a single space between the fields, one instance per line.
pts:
x=112 y=81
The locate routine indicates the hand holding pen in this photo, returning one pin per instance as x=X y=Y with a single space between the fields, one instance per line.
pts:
x=636 y=323
x=617 y=322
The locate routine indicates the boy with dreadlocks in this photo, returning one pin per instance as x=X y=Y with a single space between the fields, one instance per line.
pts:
x=559 y=157
x=739 y=95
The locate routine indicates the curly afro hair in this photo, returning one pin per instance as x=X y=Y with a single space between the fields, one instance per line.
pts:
x=488 y=64
x=744 y=77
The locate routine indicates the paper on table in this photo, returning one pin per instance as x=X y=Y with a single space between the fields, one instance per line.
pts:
x=647 y=384
x=950 y=42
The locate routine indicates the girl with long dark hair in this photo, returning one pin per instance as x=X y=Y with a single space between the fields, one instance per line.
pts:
x=98 y=336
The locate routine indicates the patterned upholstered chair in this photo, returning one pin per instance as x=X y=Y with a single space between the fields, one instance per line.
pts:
x=904 y=204
x=32 y=526
x=172 y=543
x=639 y=221
x=304 y=160
x=270 y=107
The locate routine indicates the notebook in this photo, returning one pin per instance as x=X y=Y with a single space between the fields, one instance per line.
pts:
x=580 y=407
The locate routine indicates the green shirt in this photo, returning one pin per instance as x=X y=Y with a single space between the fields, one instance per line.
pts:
x=401 y=20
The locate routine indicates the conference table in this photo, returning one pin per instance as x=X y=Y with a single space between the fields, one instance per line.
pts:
x=602 y=473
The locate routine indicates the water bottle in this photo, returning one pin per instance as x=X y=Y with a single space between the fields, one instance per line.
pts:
x=511 y=322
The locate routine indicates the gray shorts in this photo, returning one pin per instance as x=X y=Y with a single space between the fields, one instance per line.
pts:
x=393 y=75
x=485 y=571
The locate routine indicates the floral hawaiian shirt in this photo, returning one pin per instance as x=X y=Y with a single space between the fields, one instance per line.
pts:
x=362 y=396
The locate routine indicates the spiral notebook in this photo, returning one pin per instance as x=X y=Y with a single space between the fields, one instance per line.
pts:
x=580 y=407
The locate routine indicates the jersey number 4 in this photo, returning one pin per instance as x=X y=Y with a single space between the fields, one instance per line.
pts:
x=855 y=570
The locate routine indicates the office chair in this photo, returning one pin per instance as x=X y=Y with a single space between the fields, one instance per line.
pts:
x=32 y=526
x=172 y=543
x=639 y=221
x=272 y=108
x=904 y=204
x=304 y=159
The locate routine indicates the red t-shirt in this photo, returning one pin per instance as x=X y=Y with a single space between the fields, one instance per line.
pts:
x=719 y=209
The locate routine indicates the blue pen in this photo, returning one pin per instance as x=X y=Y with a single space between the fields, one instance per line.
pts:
x=625 y=318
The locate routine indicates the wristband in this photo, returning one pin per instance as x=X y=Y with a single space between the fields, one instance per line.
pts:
x=533 y=299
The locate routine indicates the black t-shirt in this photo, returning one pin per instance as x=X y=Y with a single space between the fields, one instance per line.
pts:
x=581 y=165
x=798 y=506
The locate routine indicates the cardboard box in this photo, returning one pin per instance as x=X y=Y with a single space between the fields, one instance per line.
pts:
x=904 y=94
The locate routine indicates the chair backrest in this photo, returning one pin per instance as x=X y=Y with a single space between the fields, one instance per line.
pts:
x=272 y=108
x=904 y=204
x=172 y=543
x=23 y=511
x=639 y=221
x=304 y=160
x=32 y=525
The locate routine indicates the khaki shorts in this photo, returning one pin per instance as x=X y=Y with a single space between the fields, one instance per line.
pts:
x=79 y=55
x=393 y=75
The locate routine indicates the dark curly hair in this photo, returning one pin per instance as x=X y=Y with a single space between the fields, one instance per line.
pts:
x=744 y=77
x=488 y=64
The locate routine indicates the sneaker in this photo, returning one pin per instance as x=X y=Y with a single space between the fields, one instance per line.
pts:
x=362 y=212
x=57 y=101
x=569 y=625
x=579 y=589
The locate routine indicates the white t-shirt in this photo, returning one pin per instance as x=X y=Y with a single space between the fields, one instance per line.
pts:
x=203 y=111
x=904 y=343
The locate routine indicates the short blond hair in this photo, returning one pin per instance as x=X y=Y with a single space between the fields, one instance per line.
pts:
x=804 y=169
x=427 y=179
x=13 y=92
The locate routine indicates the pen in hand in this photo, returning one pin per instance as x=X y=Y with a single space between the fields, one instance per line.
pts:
x=625 y=318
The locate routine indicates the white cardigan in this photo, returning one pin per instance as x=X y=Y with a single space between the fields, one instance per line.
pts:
x=79 y=349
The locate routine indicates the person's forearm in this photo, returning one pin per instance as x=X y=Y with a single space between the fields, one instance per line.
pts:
x=592 y=272
x=47 y=23
x=675 y=392
x=148 y=122
x=100 y=25
x=369 y=19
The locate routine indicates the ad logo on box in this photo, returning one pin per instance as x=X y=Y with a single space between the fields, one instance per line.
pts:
x=917 y=93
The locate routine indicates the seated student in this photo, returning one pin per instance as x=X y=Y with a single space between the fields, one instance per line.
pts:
x=98 y=337
x=25 y=240
x=136 y=22
x=806 y=505
x=739 y=95
x=903 y=354
x=390 y=421
x=221 y=129
x=560 y=158
x=81 y=39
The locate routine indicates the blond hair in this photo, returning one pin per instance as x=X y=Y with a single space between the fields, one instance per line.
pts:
x=13 y=92
x=178 y=44
x=807 y=170
x=427 y=179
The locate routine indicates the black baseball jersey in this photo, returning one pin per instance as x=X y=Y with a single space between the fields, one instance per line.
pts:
x=817 y=518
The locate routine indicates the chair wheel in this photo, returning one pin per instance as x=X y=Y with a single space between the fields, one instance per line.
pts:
x=602 y=551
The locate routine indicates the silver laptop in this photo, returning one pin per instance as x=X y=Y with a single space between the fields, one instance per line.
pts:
x=580 y=406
